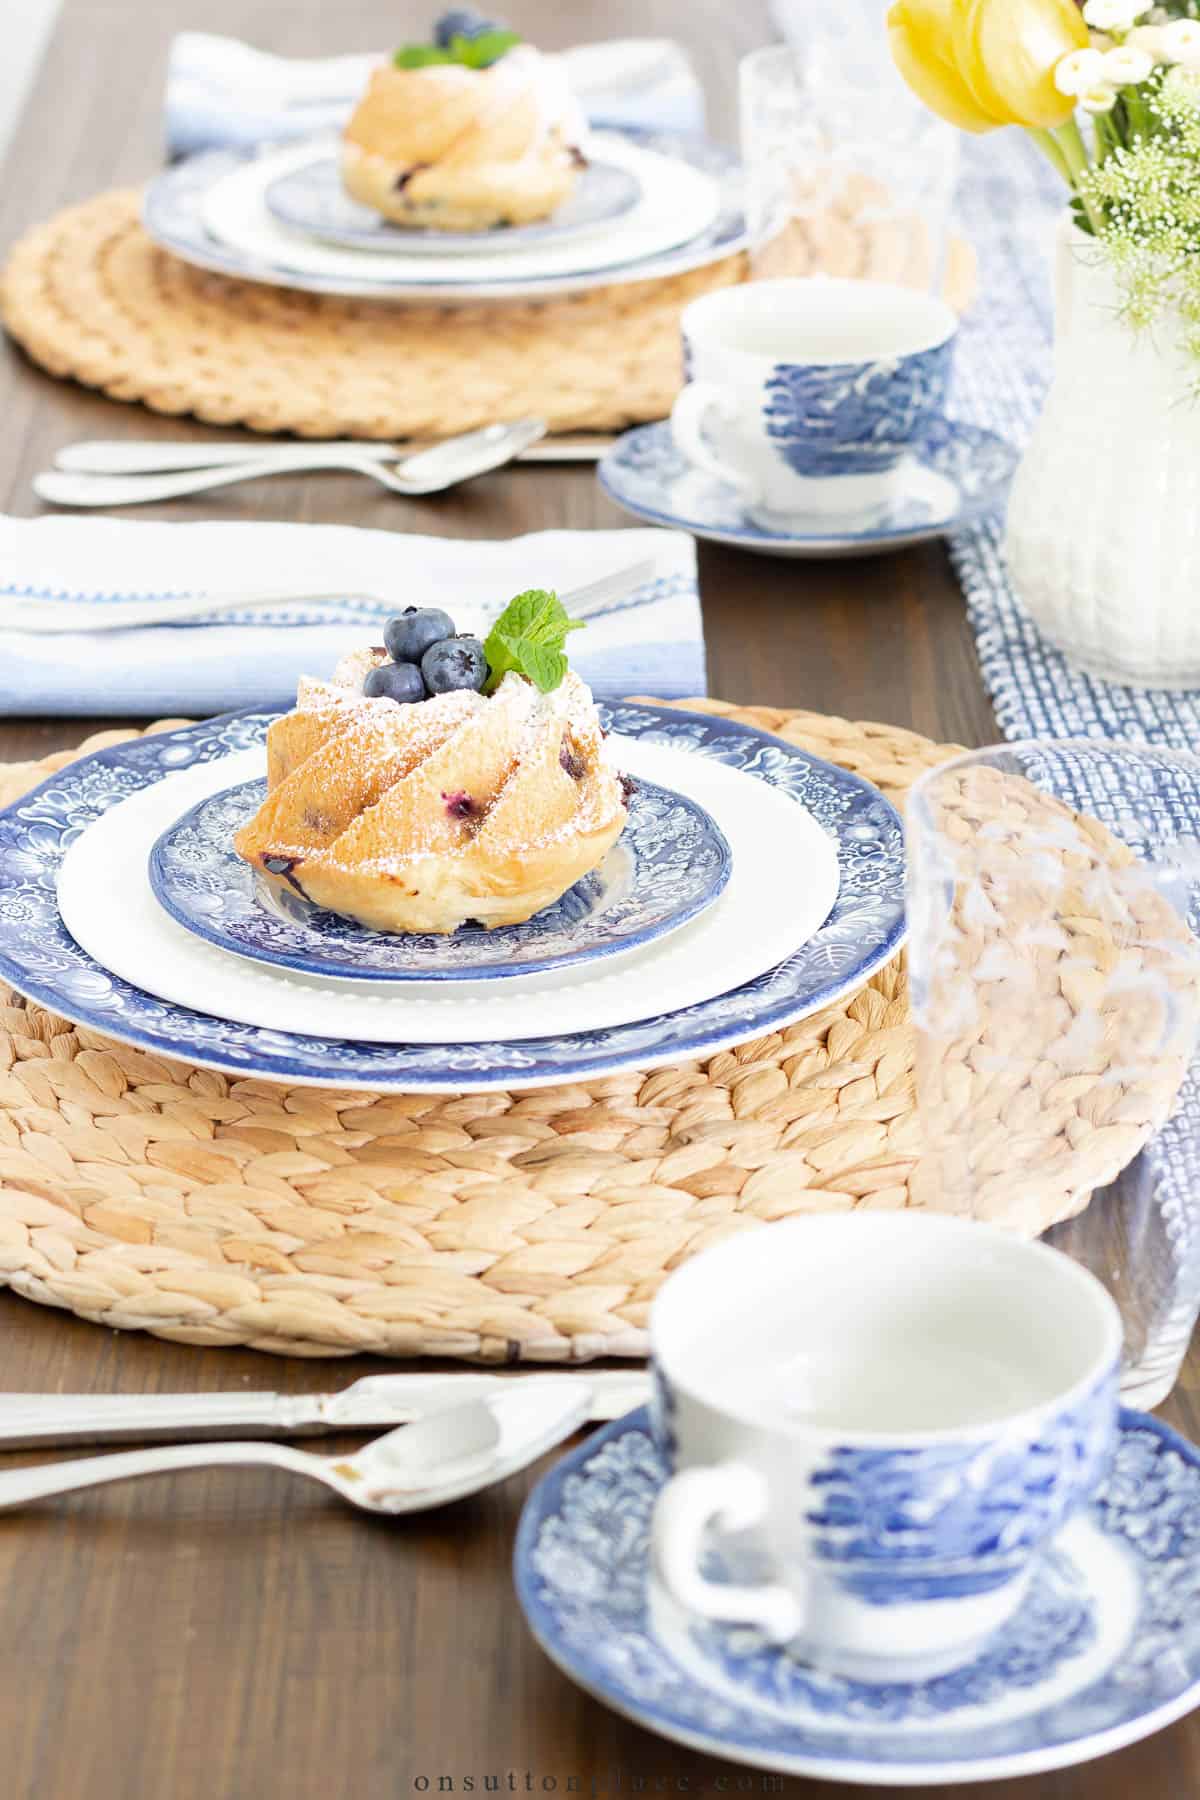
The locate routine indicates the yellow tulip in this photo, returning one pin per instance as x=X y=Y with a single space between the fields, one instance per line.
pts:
x=920 y=38
x=986 y=63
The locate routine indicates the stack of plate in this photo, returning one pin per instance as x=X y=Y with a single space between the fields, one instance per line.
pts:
x=648 y=205
x=753 y=885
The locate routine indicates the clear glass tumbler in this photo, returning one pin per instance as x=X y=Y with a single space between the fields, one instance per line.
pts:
x=1054 y=894
x=844 y=176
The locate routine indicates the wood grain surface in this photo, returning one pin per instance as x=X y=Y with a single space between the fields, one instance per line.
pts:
x=237 y=1634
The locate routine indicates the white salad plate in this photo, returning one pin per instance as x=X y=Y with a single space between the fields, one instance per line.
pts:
x=782 y=884
x=42 y=960
x=311 y=199
x=677 y=204
x=210 y=210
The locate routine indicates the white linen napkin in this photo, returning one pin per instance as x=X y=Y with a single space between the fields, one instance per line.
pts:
x=223 y=94
x=652 y=647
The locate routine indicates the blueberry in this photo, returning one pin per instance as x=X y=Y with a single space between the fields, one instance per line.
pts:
x=395 y=681
x=463 y=22
x=409 y=636
x=455 y=662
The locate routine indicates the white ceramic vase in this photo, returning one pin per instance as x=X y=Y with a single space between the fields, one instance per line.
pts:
x=1103 y=534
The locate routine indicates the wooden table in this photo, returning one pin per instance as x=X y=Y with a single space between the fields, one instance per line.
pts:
x=238 y=1635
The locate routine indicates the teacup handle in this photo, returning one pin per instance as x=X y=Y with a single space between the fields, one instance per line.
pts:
x=688 y=414
x=733 y=1496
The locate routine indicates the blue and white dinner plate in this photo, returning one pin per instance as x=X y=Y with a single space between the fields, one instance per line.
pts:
x=957 y=473
x=313 y=200
x=174 y=215
x=1104 y=1650
x=671 y=862
x=39 y=957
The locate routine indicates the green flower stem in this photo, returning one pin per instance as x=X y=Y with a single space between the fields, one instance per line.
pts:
x=1108 y=136
x=1141 y=119
x=1045 y=142
x=1069 y=139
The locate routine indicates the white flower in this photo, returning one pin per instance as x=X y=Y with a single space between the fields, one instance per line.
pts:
x=1181 y=42
x=1182 y=84
x=1126 y=67
x=1150 y=39
x=1078 y=71
x=1115 y=15
x=1098 y=99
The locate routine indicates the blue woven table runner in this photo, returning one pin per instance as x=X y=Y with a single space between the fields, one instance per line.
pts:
x=1007 y=205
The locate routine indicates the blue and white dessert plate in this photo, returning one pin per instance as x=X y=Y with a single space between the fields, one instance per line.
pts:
x=209 y=210
x=1103 y=1651
x=957 y=473
x=312 y=199
x=670 y=862
x=863 y=928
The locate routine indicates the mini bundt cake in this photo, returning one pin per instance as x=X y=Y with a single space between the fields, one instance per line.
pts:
x=462 y=145
x=419 y=817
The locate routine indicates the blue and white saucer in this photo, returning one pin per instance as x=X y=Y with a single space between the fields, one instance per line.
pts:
x=957 y=473
x=313 y=200
x=671 y=862
x=1104 y=1650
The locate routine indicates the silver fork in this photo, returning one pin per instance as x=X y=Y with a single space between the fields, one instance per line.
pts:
x=54 y=617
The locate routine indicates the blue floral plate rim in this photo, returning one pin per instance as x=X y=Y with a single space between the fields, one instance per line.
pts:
x=287 y=197
x=673 y=882
x=640 y=468
x=1136 y=1519
x=40 y=959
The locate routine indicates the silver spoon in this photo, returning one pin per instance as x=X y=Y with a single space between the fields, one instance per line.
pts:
x=427 y=471
x=443 y=1457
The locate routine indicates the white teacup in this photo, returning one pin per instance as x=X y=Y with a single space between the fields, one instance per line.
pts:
x=808 y=394
x=904 y=1407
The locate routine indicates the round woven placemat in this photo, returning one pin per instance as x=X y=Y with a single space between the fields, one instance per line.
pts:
x=89 y=295
x=140 y=1192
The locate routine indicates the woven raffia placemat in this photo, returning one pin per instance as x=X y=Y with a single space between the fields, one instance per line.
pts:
x=89 y=295
x=141 y=1192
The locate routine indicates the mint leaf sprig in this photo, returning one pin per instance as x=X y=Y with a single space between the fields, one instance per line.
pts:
x=470 y=53
x=528 y=637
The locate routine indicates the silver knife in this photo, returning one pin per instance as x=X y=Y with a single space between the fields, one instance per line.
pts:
x=134 y=456
x=48 y=1421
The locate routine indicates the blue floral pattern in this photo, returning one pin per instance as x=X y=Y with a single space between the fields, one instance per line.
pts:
x=40 y=959
x=854 y=418
x=907 y=1525
x=958 y=473
x=1102 y=1651
x=662 y=1414
x=670 y=863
